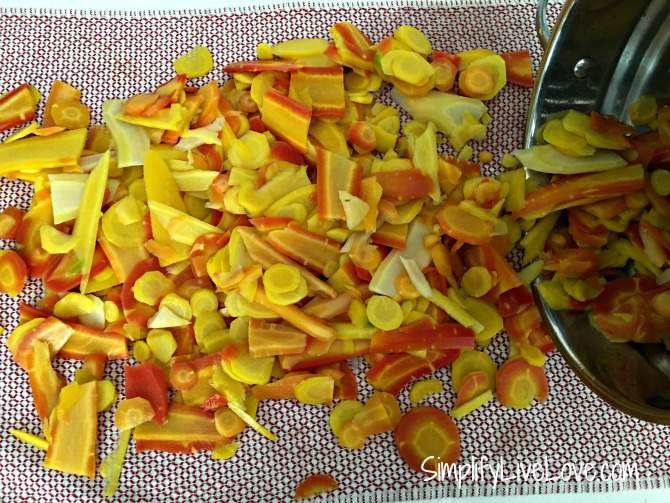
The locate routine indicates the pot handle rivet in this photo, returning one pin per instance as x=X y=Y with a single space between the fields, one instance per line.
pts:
x=582 y=68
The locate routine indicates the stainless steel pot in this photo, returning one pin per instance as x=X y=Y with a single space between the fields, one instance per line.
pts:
x=602 y=55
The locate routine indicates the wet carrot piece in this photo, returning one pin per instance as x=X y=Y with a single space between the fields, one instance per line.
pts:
x=518 y=383
x=315 y=484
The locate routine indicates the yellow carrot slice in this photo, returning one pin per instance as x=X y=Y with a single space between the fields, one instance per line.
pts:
x=282 y=278
x=414 y=39
x=471 y=405
x=37 y=153
x=86 y=225
x=455 y=311
x=30 y=439
x=488 y=316
x=227 y=423
x=251 y=421
x=160 y=187
x=384 y=312
x=423 y=389
x=300 y=48
x=342 y=414
x=76 y=417
x=106 y=394
x=249 y=370
x=178 y=305
x=162 y=344
x=469 y=361
x=371 y=193
x=315 y=390
x=533 y=355
x=141 y=351
x=225 y=451
x=132 y=412
x=165 y=318
x=71 y=114
x=477 y=281
x=56 y=242
x=410 y=67
x=151 y=287
x=357 y=313
x=484 y=77
x=203 y=301
x=180 y=226
x=73 y=304
x=293 y=315
x=132 y=142
x=265 y=255
x=198 y=62
x=251 y=151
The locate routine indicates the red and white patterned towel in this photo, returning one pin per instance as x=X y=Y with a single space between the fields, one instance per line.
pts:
x=112 y=55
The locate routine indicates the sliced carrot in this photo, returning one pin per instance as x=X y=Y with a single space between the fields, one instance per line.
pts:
x=182 y=376
x=293 y=315
x=335 y=173
x=406 y=184
x=351 y=436
x=476 y=82
x=13 y=272
x=426 y=436
x=519 y=68
x=71 y=114
x=474 y=384
x=325 y=88
x=445 y=74
x=315 y=390
x=132 y=412
x=343 y=413
x=315 y=484
x=287 y=118
x=281 y=389
x=471 y=361
x=10 y=219
x=362 y=137
x=228 y=424
x=518 y=383
x=380 y=413
x=311 y=250
x=60 y=92
x=45 y=383
x=463 y=226
x=273 y=339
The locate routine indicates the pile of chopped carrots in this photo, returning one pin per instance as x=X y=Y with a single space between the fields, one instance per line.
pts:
x=244 y=242
x=614 y=187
